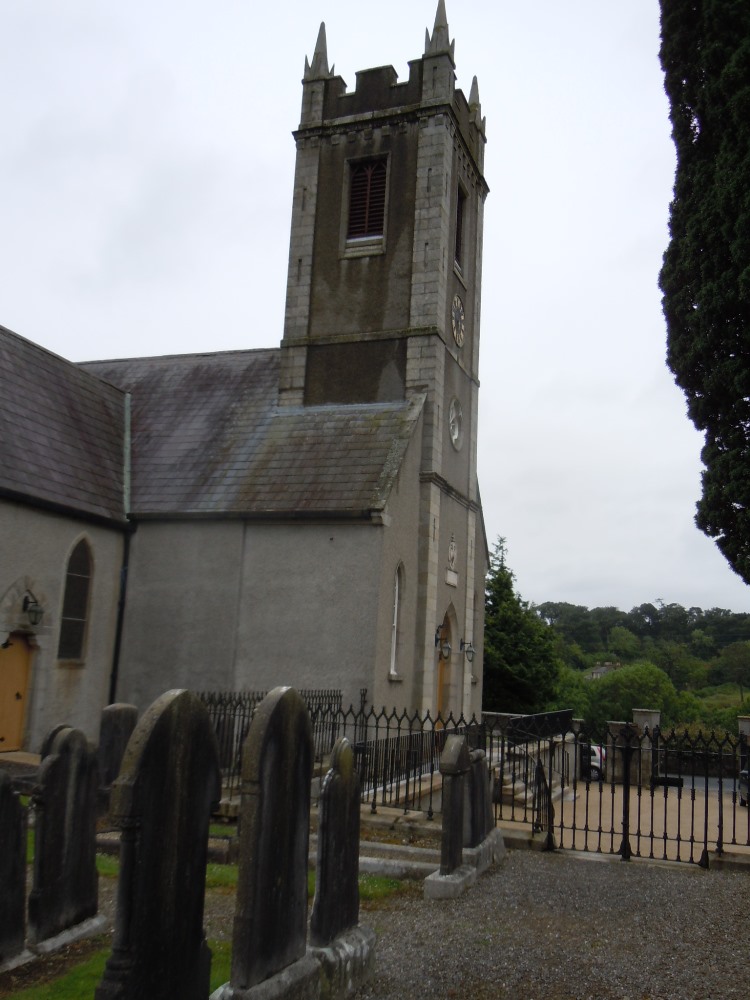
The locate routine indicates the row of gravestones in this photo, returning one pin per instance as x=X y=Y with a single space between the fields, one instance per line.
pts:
x=470 y=841
x=64 y=889
x=162 y=800
x=72 y=779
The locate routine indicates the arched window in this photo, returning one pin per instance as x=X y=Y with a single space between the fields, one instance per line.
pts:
x=398 y=586
x=75 y=604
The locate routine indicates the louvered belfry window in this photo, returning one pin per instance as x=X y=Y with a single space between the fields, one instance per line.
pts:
x=367 y=199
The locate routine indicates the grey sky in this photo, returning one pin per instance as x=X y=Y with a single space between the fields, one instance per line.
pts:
x=145 y=196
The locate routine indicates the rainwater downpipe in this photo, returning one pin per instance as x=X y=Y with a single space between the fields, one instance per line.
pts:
x=129 y=531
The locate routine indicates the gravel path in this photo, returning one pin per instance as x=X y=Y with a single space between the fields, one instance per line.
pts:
x=566 y=927
x=546 y=927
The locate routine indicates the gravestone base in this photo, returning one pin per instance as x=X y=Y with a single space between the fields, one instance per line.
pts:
x=86 y=928
x=298 y=981
x=491 y=850
x=437 y=886
x=346 y=963
x=17 y=961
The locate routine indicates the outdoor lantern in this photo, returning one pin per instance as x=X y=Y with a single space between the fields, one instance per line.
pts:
x=442 y=644
x=33 y=610
x=468 y=649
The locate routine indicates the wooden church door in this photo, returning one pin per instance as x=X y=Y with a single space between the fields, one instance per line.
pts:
x=15 y=660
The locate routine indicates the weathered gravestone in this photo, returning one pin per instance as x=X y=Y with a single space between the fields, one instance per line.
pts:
x=12 y=871
x=478 y=821
x=345 y=951
x=270 y=924
x=162 y=801
x=66 y=887
x=483 y=842
x=454 y=765
x=115 y=729
x=336 y=903
x=453 y=875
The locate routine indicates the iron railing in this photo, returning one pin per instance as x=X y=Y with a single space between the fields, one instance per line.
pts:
x=666 y=795
x=659 y=795
x=231 y=712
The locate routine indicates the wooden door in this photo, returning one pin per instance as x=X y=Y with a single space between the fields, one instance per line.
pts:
x=14 y=682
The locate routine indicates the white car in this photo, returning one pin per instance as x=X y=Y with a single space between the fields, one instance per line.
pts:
x=593 y=761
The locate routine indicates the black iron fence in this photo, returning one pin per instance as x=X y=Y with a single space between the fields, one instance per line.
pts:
x=231 y=712
x=665 y=795
x=398 y=753
x=620 y=790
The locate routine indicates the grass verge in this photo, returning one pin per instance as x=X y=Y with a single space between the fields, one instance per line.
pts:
x=81 y=981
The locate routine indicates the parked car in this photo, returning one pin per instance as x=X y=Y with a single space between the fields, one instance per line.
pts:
x=593 y=761
x=744 y=788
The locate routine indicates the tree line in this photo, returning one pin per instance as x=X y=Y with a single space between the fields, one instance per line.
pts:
x=692 y=664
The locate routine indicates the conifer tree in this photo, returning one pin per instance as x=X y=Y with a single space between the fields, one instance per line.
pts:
x=705 y=278
x=521 y=663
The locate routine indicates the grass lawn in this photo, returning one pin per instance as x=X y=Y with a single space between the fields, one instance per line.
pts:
x=81 y=981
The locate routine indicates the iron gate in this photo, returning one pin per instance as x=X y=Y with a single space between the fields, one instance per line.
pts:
x=667 y=796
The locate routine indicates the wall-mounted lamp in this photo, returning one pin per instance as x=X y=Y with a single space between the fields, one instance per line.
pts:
x=442 y=644
x=32 y=609
x=468 y=650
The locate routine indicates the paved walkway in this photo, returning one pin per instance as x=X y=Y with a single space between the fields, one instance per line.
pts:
x=669 y=824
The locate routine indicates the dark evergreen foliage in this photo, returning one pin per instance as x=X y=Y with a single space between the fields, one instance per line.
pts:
x=521 y=664
x=705 y=278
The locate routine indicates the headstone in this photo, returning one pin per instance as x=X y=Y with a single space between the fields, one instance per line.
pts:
x=454 y=764
x=336 y=903
x=12 y=871
x=162 y=801
x=115 y=729
x=344 y=950
x=453 y=875
x=65 y=887
x=270 y=924
x=479 y=819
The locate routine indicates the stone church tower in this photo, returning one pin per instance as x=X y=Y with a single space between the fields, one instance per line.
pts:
x=303 y=514
x=383 y=304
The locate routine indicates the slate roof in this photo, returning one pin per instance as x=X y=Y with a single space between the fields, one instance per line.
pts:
x=61 y=432
x=208 y=437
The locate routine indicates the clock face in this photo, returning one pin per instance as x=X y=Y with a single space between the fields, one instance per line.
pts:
x=455 y=423
x=457 y=320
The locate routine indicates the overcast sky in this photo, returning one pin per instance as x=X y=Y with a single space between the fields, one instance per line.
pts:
x=146 y=171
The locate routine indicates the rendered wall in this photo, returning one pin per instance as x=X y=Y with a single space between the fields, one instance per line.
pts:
x=36 y=546
x=182 y=605
x=400 y=546
x=309 y=606
x=230 y=605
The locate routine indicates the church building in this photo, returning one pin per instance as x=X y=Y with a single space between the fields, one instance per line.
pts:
x=306 y=514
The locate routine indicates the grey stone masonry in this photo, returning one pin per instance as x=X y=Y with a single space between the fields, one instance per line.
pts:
x=65 y=888
x=270 y=924
x=162 y=801
x=12 y=871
